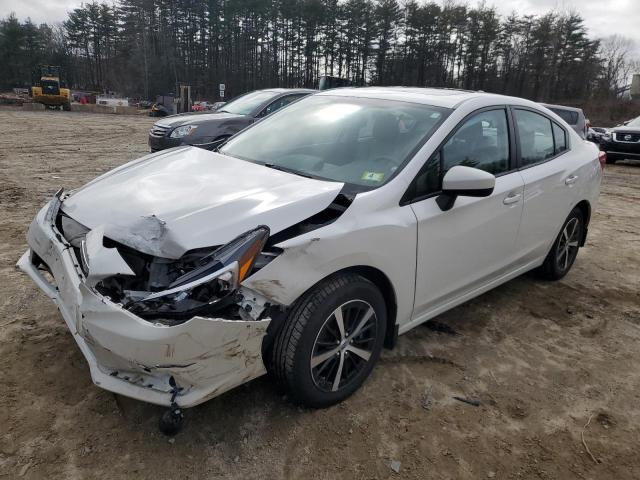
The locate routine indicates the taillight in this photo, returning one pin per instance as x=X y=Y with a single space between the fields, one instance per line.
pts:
x=602 y=158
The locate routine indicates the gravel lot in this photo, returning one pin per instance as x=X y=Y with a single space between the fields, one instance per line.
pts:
x=544 y=359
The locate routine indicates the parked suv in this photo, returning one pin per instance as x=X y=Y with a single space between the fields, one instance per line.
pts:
x=622 y=141
x=573 y=116
x=210 y=129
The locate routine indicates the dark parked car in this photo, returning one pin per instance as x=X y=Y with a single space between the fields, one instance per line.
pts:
x=210 y=129
x=573 y=116
x=594 y=134
x=622 y=141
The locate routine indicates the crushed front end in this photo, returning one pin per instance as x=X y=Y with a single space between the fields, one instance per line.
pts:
x=153 y=328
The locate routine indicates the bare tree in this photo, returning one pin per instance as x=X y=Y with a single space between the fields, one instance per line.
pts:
x=616 y=52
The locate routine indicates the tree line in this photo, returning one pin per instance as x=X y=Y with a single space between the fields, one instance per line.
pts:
x=143 y=48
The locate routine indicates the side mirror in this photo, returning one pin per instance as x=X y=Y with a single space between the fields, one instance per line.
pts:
x=462 y=181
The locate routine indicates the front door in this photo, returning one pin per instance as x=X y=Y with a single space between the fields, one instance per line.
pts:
x=464 y=248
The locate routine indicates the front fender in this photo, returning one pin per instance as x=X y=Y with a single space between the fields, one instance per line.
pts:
x=387 y=244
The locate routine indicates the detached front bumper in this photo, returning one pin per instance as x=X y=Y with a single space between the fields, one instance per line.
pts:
x=198 y=359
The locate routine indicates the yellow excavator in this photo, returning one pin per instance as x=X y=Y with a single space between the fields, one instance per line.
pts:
x=49 y=92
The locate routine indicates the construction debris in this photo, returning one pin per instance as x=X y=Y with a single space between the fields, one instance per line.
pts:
x=475 y=403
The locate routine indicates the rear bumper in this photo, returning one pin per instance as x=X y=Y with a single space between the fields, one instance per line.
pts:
x=199 y=359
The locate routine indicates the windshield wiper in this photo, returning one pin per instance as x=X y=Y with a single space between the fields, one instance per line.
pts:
x=288 y=170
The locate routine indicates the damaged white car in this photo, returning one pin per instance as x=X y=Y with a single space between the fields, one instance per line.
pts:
x=310 y=240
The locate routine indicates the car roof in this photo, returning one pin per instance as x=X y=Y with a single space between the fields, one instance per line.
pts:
x=287 y=90
x=437 y=97
x=562 y=107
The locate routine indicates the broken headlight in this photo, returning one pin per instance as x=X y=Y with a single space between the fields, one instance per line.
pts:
x=73 y=231
x=206 y=287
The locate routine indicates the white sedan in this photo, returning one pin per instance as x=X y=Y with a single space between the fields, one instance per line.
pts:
x=309 y=241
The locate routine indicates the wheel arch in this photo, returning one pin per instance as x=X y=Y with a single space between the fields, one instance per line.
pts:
x=375 y=276
x=382 y=281
x=585 y=208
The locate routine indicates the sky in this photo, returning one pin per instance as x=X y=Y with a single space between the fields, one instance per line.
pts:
x=602 y=17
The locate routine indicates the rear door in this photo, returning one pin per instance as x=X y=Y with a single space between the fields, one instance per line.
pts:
x=549 y=169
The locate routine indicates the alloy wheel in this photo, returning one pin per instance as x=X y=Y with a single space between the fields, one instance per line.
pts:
x=344 y=345
x=568 y=244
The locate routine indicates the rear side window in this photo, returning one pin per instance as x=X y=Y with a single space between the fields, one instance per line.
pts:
x=568 y=116
x=560 y=138
x=536 y=137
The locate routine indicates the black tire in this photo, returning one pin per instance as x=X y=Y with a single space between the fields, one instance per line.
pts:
x=304 y=334
x=611 y=160
x=562 y=256
x=66 y=107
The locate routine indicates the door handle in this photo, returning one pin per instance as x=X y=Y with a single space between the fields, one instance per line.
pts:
x=512 y=198
x=571 y=180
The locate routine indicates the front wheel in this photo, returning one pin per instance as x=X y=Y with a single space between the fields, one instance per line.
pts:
x=331 y=340
x=565 y=249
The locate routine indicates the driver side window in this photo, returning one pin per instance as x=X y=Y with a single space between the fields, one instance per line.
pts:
x=482 y=142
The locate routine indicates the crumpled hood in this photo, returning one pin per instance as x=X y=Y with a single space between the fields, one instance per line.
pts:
x=174 y=121
x=174 y=201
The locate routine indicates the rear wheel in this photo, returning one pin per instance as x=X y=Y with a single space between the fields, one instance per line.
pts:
x=66 y=107
x=565 y=249
x=331 y=340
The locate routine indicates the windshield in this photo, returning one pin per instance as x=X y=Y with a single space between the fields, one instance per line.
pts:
x=50 y=87
x=634 y=123
x=358 y=141
x=246 y=104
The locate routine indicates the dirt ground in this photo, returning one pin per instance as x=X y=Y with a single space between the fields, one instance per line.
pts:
x=543 y=359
